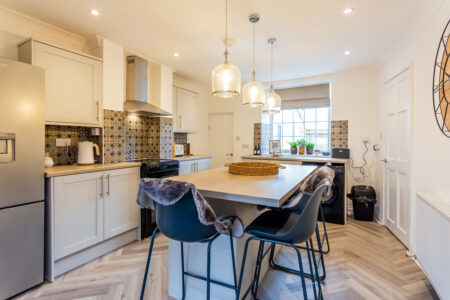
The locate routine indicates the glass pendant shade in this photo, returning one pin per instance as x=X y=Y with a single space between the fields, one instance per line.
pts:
x=226 y=81
x=253 y=93
x=273 y=103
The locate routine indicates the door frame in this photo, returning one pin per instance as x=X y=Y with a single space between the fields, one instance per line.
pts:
x=412 y=220
x=232 y=131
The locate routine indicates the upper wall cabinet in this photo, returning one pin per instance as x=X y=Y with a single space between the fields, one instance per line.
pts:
x=185 y=105
x=73 y=83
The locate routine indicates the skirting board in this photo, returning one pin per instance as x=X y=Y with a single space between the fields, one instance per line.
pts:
x=78 y=259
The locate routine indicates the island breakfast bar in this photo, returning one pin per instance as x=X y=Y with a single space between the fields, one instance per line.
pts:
x=229 y=194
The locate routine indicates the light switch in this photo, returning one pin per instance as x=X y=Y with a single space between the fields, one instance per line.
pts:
x=3 y=146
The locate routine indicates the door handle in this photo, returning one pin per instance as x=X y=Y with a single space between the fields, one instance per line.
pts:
x=384 y=160
x=229 y=154
x=101 y=187
x=98 y=110
x=109 y=193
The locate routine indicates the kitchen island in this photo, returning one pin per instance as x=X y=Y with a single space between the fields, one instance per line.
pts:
x=229 y=194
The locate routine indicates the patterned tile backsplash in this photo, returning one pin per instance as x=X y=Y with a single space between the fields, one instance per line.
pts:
x=339 y=134
x=129 y=137
x=68 y=155
x=261 y=136
x=180 y=138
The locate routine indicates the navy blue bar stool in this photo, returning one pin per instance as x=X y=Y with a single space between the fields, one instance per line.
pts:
x=287 y=229
x=180 y=222
x=297 y=203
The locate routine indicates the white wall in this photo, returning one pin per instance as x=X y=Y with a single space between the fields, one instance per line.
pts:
x=113 y=76
x=430 y=148
x=199 y=141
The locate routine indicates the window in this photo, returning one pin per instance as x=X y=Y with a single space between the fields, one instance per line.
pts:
x=311 y=124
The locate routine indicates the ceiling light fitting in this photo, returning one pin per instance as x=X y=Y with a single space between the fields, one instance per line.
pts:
x=253 y=93
x=272 y=104
x=226 y=78
x=94 y=12
x=348 y=10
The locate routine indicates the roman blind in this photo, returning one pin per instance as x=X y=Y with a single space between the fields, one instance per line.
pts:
x=305 y=96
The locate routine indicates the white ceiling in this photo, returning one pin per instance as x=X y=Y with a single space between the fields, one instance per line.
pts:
x=312 y=34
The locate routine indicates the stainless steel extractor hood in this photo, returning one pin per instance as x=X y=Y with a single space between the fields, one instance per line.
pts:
x=137 y=89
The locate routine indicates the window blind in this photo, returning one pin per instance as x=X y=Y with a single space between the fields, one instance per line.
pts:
x=305 y=96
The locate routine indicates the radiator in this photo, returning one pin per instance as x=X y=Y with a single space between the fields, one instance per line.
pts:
x=433 y=240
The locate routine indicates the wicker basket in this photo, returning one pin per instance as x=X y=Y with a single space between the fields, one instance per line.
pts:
x=254 y=168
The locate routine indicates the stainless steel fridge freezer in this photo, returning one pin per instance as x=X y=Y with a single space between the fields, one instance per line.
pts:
x=22 y=137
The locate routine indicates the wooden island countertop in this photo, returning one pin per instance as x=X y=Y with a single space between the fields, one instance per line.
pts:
x=270 y=190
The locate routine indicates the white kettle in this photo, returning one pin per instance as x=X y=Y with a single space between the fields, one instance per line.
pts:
x=86 y=153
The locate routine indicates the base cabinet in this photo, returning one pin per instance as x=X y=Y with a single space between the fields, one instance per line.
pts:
x=194 y=165
x=89 y=215
x=120 y=215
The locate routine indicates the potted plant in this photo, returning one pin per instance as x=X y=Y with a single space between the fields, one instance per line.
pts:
x=301 y=146
x=293 y=147
x=309 y=148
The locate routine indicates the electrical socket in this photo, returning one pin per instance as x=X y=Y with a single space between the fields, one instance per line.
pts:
x=63 y=142
x=245 y=146
x=376 y=147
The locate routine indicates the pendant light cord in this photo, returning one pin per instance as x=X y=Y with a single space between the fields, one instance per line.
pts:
x=254 y=50
x=271 y=67
x=226 y=30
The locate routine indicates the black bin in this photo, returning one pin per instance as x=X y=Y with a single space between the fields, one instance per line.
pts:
x=364 y=199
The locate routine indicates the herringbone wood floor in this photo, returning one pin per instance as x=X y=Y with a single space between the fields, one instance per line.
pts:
x=366 y=262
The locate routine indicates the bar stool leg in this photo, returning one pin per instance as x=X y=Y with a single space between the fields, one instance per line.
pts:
x=208 y=272
x=299 y=257
x=320 y=295
x=182 y=270
x=258 y=269
x=241 y=275
x=325 y=233
x=148 y=262
x=313 y=276
x=234 y=264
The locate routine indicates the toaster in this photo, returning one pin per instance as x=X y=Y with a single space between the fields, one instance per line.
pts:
x=179 y=149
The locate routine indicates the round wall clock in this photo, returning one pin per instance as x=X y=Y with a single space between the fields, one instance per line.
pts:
x=441 y=83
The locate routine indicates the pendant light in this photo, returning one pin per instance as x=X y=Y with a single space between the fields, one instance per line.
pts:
x=226 y=78
x=253 y=93
x=272 y=104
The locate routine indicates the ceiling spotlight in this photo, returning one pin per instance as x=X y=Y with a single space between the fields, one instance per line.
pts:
x=176 y=54
x=347 y=52
x=348 y=10
x=94 y=12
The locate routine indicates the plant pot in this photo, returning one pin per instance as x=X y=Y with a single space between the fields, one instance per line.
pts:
x=301 y=150
x=293 y=150
x=309 y=151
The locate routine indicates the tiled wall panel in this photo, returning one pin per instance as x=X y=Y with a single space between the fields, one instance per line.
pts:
x=339 y=134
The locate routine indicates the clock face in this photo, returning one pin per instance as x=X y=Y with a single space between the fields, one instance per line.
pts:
x=441 y=80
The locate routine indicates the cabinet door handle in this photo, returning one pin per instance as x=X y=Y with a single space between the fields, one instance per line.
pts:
x=109 y=187
x=98 y=110
x=179 y=122
x=102 y=194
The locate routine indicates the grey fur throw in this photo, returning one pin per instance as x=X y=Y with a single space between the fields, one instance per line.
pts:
x=313 y=180
x=168 y=192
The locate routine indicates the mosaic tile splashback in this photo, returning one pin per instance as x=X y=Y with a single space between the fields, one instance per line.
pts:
x=339 y=134
x=69 y=155
x=180 y=138
x=261 y=136
x=130 y=137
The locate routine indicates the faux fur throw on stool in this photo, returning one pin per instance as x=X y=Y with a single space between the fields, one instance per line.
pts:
x=168 y=192
x=313 y=181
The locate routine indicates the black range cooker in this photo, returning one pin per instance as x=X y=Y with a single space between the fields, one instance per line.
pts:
x=155 y=168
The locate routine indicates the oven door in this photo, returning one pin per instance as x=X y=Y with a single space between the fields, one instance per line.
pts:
x=148 y=217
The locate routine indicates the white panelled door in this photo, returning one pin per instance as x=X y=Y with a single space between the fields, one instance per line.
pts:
x=221 y=138
x=397 y=133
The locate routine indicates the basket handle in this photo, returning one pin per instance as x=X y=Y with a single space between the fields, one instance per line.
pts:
x=226 y=165
x=281 y=167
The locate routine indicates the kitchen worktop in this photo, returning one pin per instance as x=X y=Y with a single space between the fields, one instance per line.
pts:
x=270 y=190
x=191 y=157
x=289 y=157
x=75 y=169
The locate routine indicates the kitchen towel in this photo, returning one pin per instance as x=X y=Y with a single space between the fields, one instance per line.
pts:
x=169 y=192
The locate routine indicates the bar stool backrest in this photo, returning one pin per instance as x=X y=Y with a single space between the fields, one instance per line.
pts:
x=301 y=226
x=180 y=221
